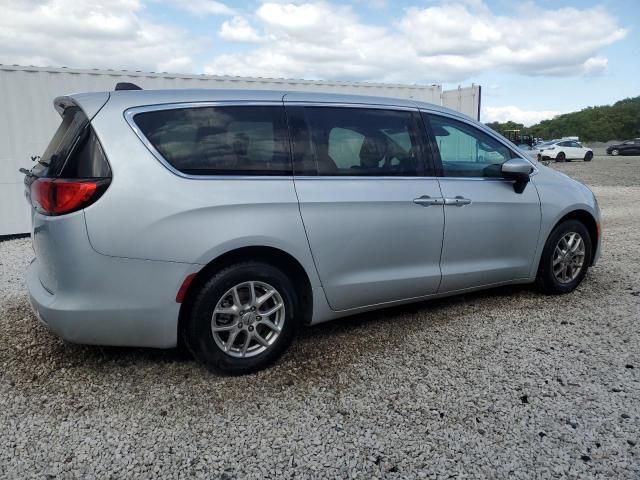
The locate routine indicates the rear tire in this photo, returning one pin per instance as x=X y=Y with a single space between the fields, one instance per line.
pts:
x=588 y=156
x=230 y=331
x=564 y=262
x=560 y=157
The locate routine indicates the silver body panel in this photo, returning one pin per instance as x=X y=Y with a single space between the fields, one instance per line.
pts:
x=86 y=297
x=109 y=274
x=372 y=245
x=491 y=240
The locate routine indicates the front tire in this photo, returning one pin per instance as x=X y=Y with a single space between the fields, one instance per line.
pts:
x=565 y=259
x=615 y=152
x=560 y=157
x=588 y=156
x=243 y=319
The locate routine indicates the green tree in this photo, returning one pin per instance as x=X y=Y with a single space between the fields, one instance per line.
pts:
x=619 y=121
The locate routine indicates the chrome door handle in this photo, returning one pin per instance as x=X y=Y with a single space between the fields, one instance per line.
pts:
x=426 y=201
x=458 y=201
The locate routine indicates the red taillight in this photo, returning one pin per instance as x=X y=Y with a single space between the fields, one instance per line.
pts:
x=56 y=196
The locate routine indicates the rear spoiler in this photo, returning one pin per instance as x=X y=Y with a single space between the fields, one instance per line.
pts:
x=90 y=103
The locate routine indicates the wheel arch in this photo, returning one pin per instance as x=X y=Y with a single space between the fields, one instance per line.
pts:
x=588 y=220
x=274 y=256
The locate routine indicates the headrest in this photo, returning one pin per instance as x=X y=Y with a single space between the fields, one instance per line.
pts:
x=372 y=152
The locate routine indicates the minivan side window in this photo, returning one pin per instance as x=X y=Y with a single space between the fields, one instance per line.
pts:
x=466 y=151
x=350 y=141
x=233 y=140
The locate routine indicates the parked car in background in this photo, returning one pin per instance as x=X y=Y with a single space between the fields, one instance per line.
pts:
x=629 y=147
x=565 y=150
x=529 y=151
x=232 y=218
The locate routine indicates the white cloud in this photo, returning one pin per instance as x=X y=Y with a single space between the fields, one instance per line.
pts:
x=447 y=42
x=204 y=7
x=91 y=34
x=595 y=65
x=238 y=30
x=513 y=113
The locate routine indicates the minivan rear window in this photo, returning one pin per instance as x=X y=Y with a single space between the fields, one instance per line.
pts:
x=233 y=140
x=52 y=161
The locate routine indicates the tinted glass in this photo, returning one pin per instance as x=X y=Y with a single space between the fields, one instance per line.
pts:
x=87 y=159
x=69 y=131
x=220 y=140
x=466 y=151
x=357 y=141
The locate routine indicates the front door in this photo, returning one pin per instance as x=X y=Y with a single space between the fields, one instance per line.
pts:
x=491 y=232
x=373 y=221
x=577 y=151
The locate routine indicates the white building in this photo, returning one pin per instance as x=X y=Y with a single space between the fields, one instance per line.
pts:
x=28 y=119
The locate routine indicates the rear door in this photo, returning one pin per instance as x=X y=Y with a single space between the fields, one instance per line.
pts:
x=491 y=232
x=373 y=219
x=71 y=174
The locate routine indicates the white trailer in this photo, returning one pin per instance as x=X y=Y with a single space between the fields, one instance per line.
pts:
x=28 y=120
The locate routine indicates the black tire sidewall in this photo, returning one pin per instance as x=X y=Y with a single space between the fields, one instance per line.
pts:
x=588 y=156
x=560 y=157
x=198 y=335
x=546 y=280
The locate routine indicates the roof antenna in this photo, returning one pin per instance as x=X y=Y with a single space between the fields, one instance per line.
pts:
x=127 y=86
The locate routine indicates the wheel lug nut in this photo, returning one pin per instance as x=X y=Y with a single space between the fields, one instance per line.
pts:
x=253 y=309
x=250 y=328
x=258 y=318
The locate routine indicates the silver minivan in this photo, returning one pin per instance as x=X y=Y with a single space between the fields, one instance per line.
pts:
x=230 y=218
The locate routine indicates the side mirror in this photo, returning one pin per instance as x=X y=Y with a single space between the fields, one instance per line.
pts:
x=518 y=170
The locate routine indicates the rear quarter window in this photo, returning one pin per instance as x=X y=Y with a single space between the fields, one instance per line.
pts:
x=240 y=140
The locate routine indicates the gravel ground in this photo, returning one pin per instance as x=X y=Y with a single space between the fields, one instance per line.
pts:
x=501 y=383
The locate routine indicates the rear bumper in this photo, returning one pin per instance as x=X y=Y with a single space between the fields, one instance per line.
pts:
x=120 y=302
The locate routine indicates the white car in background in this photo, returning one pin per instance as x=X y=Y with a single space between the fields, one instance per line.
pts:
x=565 y=150
x=529 y=151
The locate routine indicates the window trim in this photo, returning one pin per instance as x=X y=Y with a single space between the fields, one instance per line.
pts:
x=130 y=113
x=435 y=152
x=427 y=165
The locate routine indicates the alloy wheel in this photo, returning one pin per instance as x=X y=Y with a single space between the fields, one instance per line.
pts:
x=568 y=257
x=248 y=319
